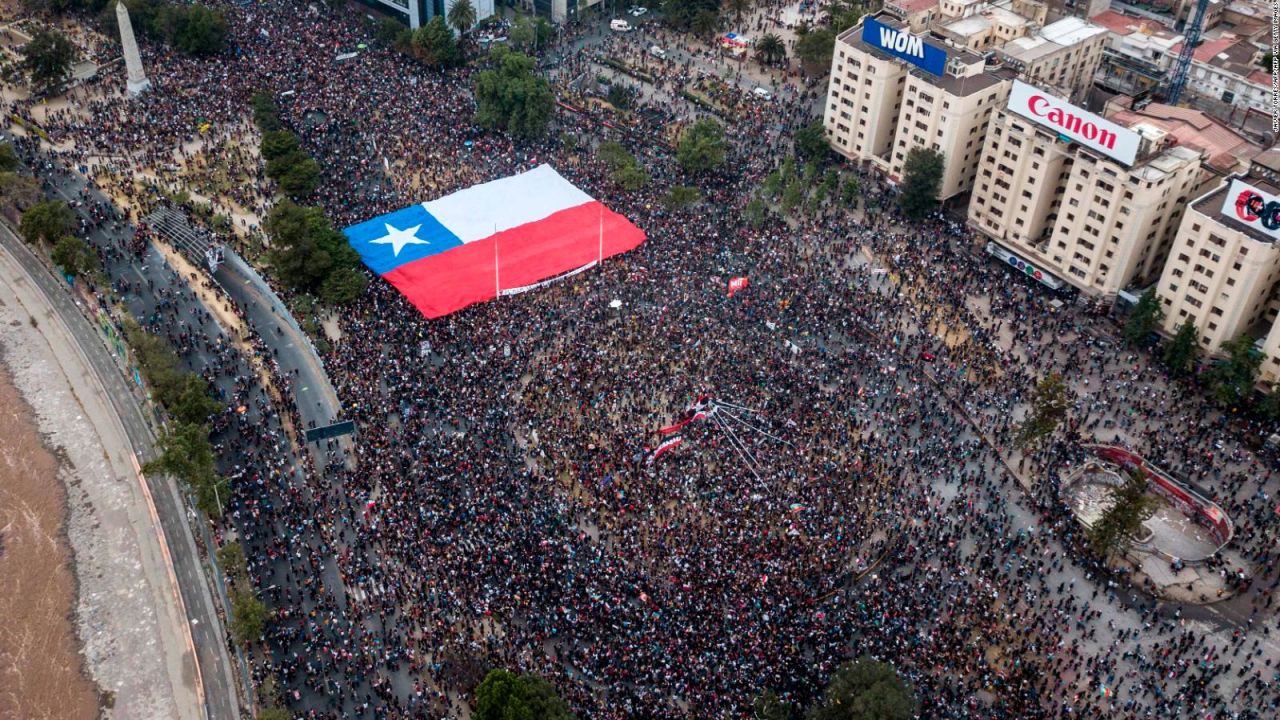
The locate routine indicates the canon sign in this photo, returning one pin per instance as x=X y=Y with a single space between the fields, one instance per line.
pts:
x=1073 y=123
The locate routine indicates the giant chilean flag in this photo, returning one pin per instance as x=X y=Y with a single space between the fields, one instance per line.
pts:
x=494 y=239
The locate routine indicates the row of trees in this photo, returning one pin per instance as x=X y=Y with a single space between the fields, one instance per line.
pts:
x=510 y=96
x=48 y=224
x=1232 y=380
x=297 y=173
x=864 y=689
x=310 y=256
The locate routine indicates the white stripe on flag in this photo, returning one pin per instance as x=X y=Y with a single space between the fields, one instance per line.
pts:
x=484 y=210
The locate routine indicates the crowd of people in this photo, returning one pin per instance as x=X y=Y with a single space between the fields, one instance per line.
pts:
x=499 y=507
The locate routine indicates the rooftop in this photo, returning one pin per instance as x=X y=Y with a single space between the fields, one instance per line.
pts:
x=965 y=27
x=1070 y=30
x=911 y=6
x=1225 y=149
x=1118 y=23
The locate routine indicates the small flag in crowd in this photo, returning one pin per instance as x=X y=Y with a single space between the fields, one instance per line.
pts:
x=737 y=284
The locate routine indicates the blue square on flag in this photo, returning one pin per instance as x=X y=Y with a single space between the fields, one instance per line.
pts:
x=391 y=240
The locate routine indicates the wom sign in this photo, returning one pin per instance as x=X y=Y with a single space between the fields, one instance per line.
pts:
x=1078 y=125
x=1253 y=207
x=904 y=46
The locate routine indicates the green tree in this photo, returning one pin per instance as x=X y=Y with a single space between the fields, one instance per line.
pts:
x=47 y=221
x=503 y=695
x=157 y=362
x=772 y=185
x=769 y=707
x=811 y=142
x=756 y=212
x=301 y=179
x=18 y=191
x=614 y=155
x=194 y=29
x=48 y=58
x=1182 y=349
x=1130 y=506
x=631 y=177
x=434 y=44
x=185 y=453
x=865 y=690
x=8 y=158
x=522 y=34
x=921 y=181
x=305 y=247
x=705 y=23
x=274 y=713
x=265 y=114
x=388 y=31
x=1234 y=378
x=1049 y=405
x=462 y=15
x=815 y=46
x=793 y=195
x=248 y=615
x=701 y=147
x=278 y=144
x=770 y=49
x=74 y=256
x=681 y=196
x=343 y=285
x=193 y=404
x=510 y=96
x=737 y=8
x=232 y=561
x=621 y=95
x=1143 y=320
x=849 y=191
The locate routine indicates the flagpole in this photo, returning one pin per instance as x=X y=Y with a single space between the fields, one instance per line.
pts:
x=497 y=282
x=600 y=254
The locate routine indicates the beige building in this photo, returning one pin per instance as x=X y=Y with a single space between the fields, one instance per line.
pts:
x=1223 y=273
x=880 y=107
x=1090 y=219
x=916 y=15
x=1065 y=54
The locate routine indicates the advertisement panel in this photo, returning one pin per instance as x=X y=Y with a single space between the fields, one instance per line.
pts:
x=1251 y=206
x=1075 y=124
x=903 y=45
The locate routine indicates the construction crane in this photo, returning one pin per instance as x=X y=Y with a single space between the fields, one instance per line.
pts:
x=1182 y=66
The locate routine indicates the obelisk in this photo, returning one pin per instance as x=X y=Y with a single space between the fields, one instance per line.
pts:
x=137 y=78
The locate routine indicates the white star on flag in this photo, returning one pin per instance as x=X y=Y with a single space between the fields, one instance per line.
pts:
x=397 y=238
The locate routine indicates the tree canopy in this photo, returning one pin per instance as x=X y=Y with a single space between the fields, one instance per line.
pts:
x=503 y=695
x=865 y=690
x=511 y=97
x=1049 y=405
x=48 y=58
x=1130 y=507
x=1233 y=379
x=435 y=45
x=310 y=256
x=47 y=221
x=921 y=181
x=1144 y=319
x=194 y=29
x=702 y=146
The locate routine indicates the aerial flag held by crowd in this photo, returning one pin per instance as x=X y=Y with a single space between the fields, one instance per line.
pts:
x=499 y=238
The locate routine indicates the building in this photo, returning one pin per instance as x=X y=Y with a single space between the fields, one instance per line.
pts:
x=915 y=15
x=416 y=13
x=1224 y=265
x=892 y=90
x=1138 y=54
x=1225 y=70
x=1095 y=201
x=1064 y=54
x=558 y=11
x=1185 y=10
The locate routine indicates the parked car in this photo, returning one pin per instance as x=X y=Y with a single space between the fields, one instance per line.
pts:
x=762 y=93
x=619 y=26
x=657 y=52
x=637 y=11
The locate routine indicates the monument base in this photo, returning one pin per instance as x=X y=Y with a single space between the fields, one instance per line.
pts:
x=137 y=88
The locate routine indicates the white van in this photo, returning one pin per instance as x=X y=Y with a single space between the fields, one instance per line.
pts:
x=657 y=52
x=762 y=93
x=620 y=26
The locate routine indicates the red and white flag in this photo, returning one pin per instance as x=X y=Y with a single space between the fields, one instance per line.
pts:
x=667 y=445
x=738 y=283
